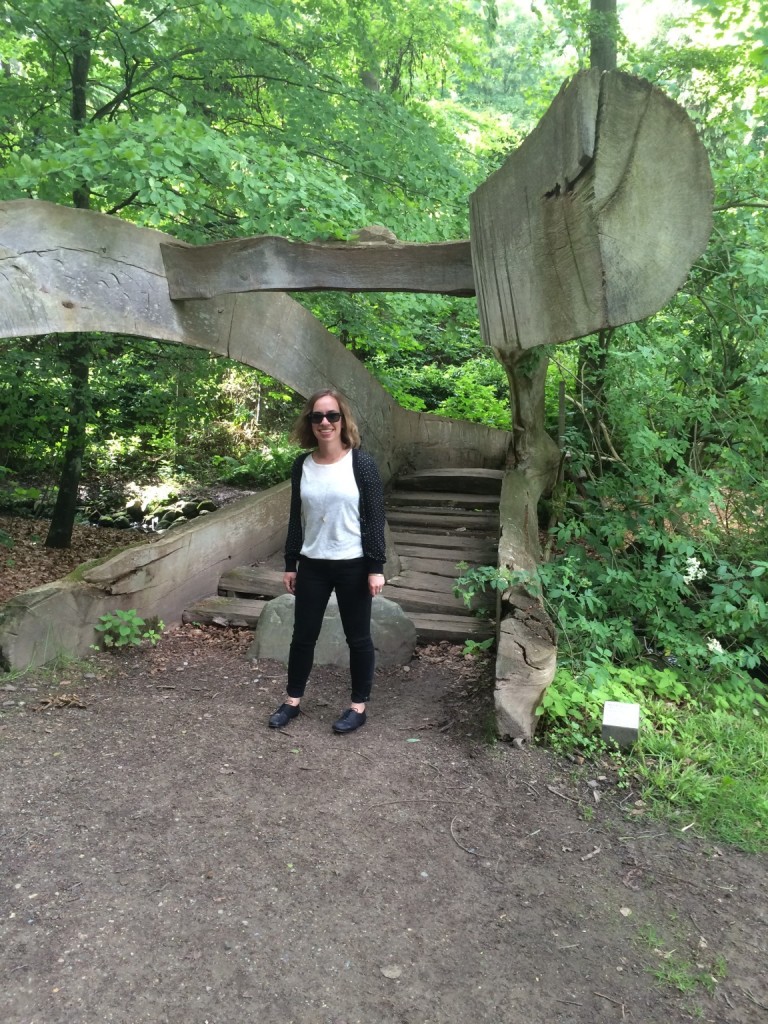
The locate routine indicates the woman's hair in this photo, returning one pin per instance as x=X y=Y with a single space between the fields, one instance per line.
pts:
x=302 y=430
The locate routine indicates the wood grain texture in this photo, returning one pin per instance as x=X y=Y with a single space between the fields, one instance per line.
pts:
x=271 y=263
x=595 y=220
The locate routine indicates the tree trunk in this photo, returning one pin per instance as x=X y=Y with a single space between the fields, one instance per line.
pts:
x=80 y=351
x=603 y=32
x=593 y=352
x=79 y=358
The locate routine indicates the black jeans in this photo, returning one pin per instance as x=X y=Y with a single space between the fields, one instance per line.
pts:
x=316 y=580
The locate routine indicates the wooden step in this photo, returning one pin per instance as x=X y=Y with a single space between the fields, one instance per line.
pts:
x=467 y=522
x=430 y=625
x=434 y=566
x=224 y=611
x=456 y=628
x=257 y=580
x=411 y=600
x=443 y=500
x=480 y=481
x=464 y=546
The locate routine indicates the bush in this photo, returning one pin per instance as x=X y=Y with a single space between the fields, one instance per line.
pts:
x=263 y=467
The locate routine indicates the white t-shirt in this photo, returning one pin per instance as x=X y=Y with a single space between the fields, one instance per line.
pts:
x=330 y=510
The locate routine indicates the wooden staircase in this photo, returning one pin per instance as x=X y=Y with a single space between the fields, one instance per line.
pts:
x=438 y=518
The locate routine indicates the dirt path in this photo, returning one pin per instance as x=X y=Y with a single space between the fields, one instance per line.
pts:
x=167 y=858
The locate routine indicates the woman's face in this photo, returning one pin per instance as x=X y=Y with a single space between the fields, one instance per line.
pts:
x=327 y=431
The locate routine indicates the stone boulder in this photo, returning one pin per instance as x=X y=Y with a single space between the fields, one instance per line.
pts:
x=394 y=635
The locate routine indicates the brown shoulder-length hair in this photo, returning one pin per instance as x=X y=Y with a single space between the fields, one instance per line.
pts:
x=302 y=431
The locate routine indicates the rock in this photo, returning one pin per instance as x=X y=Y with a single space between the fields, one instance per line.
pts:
x=206 y=505
x=394 y=635
x=189 y=509
x=134 y=511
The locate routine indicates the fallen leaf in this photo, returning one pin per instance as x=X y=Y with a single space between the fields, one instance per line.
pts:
x=625 y=912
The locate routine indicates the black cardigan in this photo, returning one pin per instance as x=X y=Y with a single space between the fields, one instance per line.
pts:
x=371 y=512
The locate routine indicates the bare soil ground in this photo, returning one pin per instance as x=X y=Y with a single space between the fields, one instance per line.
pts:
x=165 y=857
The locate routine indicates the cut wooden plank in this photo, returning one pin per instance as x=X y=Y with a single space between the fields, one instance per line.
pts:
x=224 y=611
x=410 y=580
x=456 y=628
x=479 y=481
x=404 y=589
x=435 y=566
x=252 y=579
x=444 y=499
x=428 y=601
x=273 y=263
x=443 y=520
x=444 y=545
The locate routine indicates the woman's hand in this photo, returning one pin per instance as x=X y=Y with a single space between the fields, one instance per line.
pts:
x=376 y=583
x=289 y=581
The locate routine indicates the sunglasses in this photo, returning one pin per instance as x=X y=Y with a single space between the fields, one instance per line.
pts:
x=318 y=417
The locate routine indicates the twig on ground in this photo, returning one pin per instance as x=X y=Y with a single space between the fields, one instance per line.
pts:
x=412 y=800
x=563 y=796
x=589 y=856
x=495 y=870
x=757 y=1002
x=616 y=1002
x=466 y=849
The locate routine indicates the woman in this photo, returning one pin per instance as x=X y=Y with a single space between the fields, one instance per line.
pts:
x=335 y=542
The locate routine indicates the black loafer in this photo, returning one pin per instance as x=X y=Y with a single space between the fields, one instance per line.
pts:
x=349 y=721
x=283 y=715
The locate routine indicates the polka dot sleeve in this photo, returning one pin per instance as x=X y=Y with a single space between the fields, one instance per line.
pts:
x=371 y=509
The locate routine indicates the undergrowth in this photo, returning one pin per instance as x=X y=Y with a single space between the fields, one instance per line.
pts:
x=701 y=760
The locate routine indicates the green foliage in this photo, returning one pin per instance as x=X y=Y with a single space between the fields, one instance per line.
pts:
x=225 y=118
x=708 y=770
x=127 y=629
x=475 y=647
x=262 y=467
x=476 y=580
x=678 y=971
x=701 y=753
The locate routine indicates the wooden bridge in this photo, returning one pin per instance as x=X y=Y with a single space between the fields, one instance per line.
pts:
x=438 y=518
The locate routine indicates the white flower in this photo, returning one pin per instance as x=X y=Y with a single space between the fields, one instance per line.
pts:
x=694 y=570
x=714 y=645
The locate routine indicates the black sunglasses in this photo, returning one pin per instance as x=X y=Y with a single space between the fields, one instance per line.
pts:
x=318 y=417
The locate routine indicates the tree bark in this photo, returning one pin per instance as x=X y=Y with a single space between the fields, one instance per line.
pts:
x=80 y=352
x=593 y=353
x=79 y=357
x=603 y=34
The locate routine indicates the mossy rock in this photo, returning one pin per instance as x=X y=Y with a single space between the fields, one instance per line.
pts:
x=206 y=505
x=135 y=511
x=189 y=509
